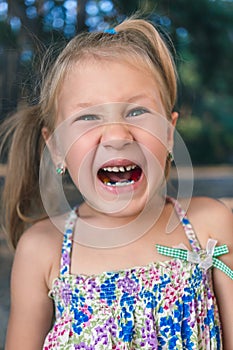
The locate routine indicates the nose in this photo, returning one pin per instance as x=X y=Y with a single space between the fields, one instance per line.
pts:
x=116 y=135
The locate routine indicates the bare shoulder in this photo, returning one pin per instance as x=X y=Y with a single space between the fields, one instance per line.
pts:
x=210 y=218
x=41 y=233
x=213 y=219
x=36 y=264
x=41 y=246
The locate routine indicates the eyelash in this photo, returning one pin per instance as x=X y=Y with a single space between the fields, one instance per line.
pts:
x=142 y=110
x=90 y=117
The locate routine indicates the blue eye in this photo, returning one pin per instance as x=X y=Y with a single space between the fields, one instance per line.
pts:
x=137 y=111
x=88 y=117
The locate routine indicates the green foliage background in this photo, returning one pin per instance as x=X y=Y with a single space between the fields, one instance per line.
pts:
x=202 y=33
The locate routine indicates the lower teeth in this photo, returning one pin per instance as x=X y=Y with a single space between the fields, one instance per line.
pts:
x=119 y=184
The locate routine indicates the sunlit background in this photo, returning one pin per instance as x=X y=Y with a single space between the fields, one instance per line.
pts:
x=62 y=15
x=202 y=32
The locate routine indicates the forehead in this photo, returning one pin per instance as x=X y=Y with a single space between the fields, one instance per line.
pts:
x=107 y=80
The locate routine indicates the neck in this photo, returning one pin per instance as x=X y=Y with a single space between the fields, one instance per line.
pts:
x=97 y=229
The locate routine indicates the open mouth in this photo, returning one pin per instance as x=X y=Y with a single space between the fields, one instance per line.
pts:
x=117 y=176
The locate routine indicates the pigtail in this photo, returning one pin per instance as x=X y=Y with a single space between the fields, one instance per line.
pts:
x=21 y=134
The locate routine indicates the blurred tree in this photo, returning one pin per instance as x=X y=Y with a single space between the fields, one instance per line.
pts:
x=202 y=32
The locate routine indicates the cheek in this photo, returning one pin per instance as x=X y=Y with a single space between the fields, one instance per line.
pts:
x=76 y=153
x=80 y=153
x=154 y=145
x=75 y=158
x=73 y=139
x=159 y=151
x=156 y=161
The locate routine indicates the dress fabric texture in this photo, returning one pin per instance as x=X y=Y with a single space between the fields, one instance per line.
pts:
x=163 y=305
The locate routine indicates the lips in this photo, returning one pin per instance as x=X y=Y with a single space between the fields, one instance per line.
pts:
x=119 y=174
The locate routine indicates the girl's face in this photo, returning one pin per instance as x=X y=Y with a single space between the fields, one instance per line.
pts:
x=113 y=135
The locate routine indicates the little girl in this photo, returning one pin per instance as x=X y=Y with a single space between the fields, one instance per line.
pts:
x=132 y=269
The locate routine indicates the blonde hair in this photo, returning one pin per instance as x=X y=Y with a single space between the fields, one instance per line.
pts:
x=135 y=40
x=21 y=133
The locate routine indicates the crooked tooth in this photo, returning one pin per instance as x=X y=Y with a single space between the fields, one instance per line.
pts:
x=131 y=167
x=122 y=169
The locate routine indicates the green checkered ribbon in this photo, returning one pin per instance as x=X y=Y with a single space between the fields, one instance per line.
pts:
x=204 y=258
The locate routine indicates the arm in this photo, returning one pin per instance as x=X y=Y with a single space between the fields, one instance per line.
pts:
x=212 y=219
x=31 y=309
x=223 y=285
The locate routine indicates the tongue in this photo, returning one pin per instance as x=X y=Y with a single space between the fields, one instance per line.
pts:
x=118 y=177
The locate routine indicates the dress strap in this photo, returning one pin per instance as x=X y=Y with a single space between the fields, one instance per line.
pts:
x=189 y=231
x=67 y=243
x=204 y=258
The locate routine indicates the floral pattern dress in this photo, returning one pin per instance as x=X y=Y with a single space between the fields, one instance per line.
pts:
x=163 y=305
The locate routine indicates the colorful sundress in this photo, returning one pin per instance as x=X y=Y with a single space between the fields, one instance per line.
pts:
x=163 y=305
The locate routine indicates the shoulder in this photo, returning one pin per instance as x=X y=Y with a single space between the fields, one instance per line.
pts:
x=212 y=213
x=37 y=254
x=39 y=248
x=40 y=236
x=210 y=218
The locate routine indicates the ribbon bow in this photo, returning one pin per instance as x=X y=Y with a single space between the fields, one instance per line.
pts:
x=204 y=258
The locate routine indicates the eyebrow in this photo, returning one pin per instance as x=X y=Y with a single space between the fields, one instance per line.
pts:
x=130 y=100
x=84 y=104
x=138 y=97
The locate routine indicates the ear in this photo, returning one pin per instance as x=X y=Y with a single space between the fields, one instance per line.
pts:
x=53 y=148
x=172 y=125
x=174 y=117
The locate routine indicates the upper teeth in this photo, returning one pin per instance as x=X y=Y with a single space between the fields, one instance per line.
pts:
x=117 y=169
